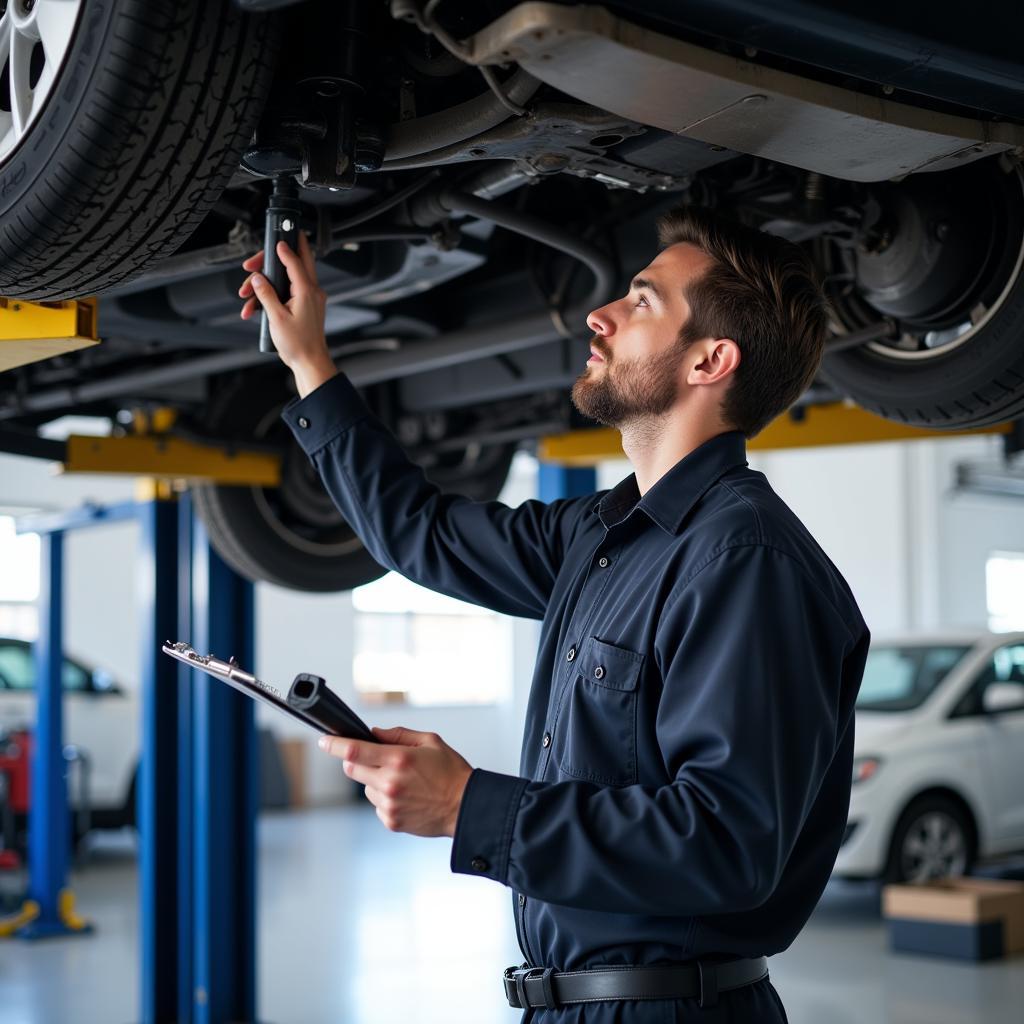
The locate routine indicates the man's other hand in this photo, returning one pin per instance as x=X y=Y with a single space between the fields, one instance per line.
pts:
x=414 y=779
x=296 y=326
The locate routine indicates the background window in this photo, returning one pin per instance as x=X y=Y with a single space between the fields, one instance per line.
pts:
x=1004 y=591
x=1005 y=666
x=19 y=581
x=902 y=678
x=420 y=647
x=19 y=556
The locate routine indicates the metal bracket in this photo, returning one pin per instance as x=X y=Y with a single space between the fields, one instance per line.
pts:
x=31 y=331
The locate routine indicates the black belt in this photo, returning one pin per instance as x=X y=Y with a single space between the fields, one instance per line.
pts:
x=544 y=986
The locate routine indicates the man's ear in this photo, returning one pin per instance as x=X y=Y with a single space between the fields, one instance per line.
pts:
x=715 y=359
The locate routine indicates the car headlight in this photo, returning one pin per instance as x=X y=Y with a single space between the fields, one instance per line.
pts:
x=865 y=768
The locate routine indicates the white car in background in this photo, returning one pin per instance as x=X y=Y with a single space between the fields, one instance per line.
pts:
x=938 y=777
x=100 y=719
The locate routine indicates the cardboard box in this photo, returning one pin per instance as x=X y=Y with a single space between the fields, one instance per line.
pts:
x=967 y=918
x=293 y=756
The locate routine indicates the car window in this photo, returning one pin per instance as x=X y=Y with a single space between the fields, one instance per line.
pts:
x=16 y=665
x=900 y=678
x=18 y=668
x=1005 y=666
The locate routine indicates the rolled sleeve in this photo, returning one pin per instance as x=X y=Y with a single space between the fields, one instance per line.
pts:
x=483 y=831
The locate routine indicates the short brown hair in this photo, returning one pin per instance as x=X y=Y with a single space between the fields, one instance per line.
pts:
x=762 y=292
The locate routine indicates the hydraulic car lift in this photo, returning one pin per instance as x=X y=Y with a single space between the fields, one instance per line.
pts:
x=30 y=331
x=196 y=789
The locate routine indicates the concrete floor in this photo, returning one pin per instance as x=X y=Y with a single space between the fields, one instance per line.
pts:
x=365 y=927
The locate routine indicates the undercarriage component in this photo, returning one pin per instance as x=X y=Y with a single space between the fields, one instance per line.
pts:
x=570 y=138
x=541 y=231
x=944 y=261
x=312 y=131
x=731 y=103
x=452 y=126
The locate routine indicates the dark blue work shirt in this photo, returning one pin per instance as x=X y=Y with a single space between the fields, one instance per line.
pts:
x=687 y=756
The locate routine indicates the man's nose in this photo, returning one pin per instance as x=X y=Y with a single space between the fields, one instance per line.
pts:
x=600 y=321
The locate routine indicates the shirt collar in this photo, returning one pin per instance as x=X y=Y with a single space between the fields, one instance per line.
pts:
x=672 y=497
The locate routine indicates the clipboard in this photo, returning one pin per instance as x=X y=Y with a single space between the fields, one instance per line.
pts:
x=309 y=699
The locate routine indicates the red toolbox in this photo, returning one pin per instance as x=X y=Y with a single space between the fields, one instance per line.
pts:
x=15 y=759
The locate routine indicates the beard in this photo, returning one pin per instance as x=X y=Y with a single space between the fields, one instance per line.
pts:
x=627 y=391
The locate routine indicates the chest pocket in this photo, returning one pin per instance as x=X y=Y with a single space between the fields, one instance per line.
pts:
x=595 y=734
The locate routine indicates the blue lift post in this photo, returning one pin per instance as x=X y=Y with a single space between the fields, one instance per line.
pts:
x=51 y=901
x=182 y=968
x=198 y=880
x=49 y=839
x=156 y=806
x=554 y=481
x=197 y=789
x=224 y=788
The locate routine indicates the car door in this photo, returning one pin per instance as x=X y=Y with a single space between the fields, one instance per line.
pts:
x=17 y=702
x=98 y=722
x=1001 y=715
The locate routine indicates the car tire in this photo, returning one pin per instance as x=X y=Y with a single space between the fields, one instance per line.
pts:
x=929 y=826
x=974 y=378
x=293 y=535
x=141 y=130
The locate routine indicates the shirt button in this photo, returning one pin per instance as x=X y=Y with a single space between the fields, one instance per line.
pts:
x=603 y=562
x=571 y=654
x=546 y=742
x=479 y=864
x=522 y=900
x=303 y=422
x=599 y=672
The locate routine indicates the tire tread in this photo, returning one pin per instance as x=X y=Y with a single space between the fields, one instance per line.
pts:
x=171 y=103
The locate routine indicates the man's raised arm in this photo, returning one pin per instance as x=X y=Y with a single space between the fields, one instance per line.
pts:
x=485 y=552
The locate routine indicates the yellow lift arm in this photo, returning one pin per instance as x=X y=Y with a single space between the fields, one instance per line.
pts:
x=31 y=331
x=833 y=423
x=170 y=458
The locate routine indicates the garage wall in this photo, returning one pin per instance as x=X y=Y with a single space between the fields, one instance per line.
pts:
x=968 y=529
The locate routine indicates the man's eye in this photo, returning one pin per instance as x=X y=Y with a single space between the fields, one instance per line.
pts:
x=641 y=301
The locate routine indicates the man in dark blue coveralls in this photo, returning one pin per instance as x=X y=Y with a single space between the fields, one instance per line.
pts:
x=687 y=753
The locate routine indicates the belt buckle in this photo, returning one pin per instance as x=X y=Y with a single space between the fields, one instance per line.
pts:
x=515 y=979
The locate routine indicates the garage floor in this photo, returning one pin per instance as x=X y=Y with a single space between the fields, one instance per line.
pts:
x=362 y=926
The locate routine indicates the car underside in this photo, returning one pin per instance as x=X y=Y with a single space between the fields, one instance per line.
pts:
x=474 y=177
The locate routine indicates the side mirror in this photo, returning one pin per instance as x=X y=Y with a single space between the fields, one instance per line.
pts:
x=1001 y=697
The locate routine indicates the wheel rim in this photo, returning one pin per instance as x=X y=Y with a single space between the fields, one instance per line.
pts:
x=934 y=846
x=929 y=344
x=35 y=37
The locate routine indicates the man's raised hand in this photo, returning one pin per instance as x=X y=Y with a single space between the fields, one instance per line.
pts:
x=296 y=326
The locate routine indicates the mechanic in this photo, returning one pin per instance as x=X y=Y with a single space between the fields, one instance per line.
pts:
x=688 y=747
